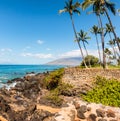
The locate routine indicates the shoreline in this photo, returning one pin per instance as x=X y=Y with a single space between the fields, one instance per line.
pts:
x=26 y=99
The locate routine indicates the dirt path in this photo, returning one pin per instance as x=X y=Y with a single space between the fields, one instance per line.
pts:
x=48 y=108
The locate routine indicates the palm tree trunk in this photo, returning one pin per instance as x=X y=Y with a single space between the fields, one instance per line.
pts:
x=113 y=47
x=110 y=22
x=103 y=44
x=78 y=41
x=86 y=53
x=98 y=49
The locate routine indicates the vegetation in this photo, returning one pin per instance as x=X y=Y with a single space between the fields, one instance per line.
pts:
x=99 y=8
x=82 y=37
x=56 y=87
x=71 y=8
x=96 y=30
x=53 y=79
x=94 y=61
x=105 y=91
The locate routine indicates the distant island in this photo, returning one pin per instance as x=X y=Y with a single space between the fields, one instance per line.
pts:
x=71 y=61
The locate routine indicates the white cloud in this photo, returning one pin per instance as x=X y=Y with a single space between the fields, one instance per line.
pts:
x=38 y=55
x=48 y=49
x=6 y=50
x=40 y=42
x=26 y=48
x=77 y=53
x=72 y=53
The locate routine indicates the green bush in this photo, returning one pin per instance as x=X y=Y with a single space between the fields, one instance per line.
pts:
x=92 y=59
x=105 y=91
x=53 y=79
x=56 y=87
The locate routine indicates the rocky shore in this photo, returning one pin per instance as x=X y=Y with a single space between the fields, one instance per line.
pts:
x=26 y=100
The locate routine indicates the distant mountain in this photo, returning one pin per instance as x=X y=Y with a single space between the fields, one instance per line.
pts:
x=72 y=61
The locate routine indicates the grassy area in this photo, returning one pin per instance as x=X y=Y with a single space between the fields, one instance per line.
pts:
x=56 y=87
x=105 y=91
x=100 y=67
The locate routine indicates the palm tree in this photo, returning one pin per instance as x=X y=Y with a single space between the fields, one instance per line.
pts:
x=71 y=8
x=103 y=5
x=108 y=30
x=82 y=36
x=108 y=55
x=97 y=9
x=95 y=30
x=112 y=42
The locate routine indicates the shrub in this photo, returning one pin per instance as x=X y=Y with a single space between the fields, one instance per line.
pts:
x=56 y=87
x=105 y=91
x=92 y=59
x=52 y=80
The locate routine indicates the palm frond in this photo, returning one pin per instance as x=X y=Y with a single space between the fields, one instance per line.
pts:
x=110 y=6
x=77 y=4
x=86 y=4
x=76 y=11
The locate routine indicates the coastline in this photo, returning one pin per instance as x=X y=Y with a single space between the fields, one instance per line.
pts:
x=26 y=101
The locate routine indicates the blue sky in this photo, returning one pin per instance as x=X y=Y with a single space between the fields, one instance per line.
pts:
x=32 y=31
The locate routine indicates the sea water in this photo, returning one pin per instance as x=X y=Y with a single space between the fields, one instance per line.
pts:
x=8 y=72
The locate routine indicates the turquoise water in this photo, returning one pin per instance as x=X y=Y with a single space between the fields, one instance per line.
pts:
x=8 y=72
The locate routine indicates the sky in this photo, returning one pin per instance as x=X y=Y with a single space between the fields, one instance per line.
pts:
x=33 y=32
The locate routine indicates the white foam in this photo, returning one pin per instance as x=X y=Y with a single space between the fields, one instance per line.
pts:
x=10 y=85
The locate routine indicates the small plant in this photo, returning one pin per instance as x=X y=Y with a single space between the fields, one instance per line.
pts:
x=54 y=98
x=105 y=91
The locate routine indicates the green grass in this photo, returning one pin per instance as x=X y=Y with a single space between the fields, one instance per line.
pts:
x=53 y=82
x=105 y=91
x=98 y=67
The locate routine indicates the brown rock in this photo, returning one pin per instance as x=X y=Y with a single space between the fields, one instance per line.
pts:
x=100 y=113
x=88 y=108
x=83 y=108
x=91 y=117
x=102 y=119
x=113 y=120
x=110 y=113
x=77 y=105
x=81 y=111
x=80 y=115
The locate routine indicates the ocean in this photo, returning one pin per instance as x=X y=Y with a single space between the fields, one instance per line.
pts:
x=8 y=72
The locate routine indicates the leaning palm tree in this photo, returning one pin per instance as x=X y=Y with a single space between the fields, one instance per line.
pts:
x=111 y=43
x=108 y=55
x=108 y=29
x=82 y=36
x=98 y=11
x=71 y=8
x=95 y=30
x=103 y=5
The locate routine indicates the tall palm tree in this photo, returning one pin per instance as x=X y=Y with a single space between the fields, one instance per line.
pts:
x=103 y=5
x=108 y=55
x=98 y=11
x=71 y=8
x=111 y=43
x=82 y=36
x=108 y=29
x=95 y=30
